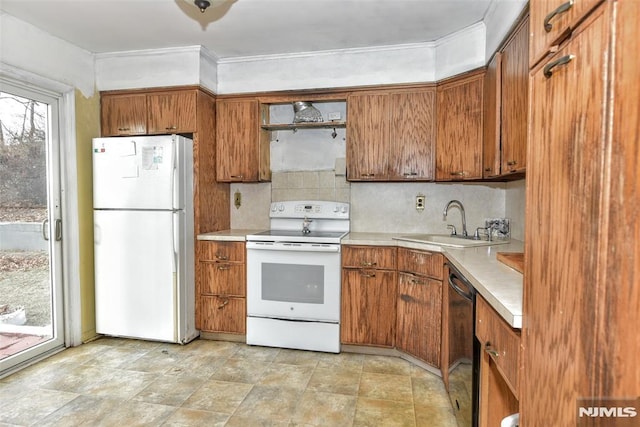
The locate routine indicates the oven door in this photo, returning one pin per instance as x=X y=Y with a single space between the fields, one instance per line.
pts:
x=299 y=281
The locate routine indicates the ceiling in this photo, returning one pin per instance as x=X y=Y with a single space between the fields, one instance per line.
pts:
x=241 y=28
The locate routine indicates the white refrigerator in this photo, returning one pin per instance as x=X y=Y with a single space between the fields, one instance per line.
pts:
x=144 y=237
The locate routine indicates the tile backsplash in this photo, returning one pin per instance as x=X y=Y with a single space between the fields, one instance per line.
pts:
x=310 y=185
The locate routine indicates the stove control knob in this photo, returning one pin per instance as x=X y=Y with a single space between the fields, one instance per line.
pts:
x=336 y=208
x=273 y=207
x=344 y=209
x=281 y=207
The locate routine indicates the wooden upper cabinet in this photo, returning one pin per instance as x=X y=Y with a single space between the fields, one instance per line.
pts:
x=368 y=137
x=238 y=140
x=412 y=135
x=491 y=138
x=172 y=112
x=391 y=135
x=552 y=21
x=506 y=97
x=515 y=100
x=459 y=138
x=124 y=114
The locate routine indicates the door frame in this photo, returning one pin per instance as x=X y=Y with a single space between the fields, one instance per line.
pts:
x=65 y=96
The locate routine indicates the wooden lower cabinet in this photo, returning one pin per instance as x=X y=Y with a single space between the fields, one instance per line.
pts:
x=500 y=365
x=419 y=317
x=222 y=314
x=368 y=309
x=221 y=287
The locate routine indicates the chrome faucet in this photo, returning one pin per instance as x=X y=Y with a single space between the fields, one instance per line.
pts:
x=459 y=205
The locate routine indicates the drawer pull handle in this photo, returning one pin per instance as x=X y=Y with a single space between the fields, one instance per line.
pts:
x=491 y=351
x=237 y=176
x=560 y=10
x=560 y=61
x=224 y=267
x=363 y=273
x=222 y=257
x=124 y=129
x=224 y=303
x=410 y=174
x=368 y=264
x=512 y=163
x=406 y=298
x=171 y=128
x=487 y=169
x=368 y=175
x=458 y=173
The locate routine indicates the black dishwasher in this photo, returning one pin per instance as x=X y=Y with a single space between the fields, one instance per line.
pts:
x=464 y=349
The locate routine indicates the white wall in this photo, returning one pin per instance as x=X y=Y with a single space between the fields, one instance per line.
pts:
x=498 y=21
x=515 y=207
x=25 y=47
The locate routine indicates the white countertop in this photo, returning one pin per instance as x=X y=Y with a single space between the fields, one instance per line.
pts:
x=499 y=285
x=235 y=235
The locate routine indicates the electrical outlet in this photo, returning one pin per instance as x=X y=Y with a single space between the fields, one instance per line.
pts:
x=237 y=199
x=420 y=201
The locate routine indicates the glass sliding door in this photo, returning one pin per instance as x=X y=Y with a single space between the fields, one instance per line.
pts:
x=31 y=318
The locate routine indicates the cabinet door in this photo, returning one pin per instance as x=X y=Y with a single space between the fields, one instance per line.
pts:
x=419 y=327
x=237 y=140
x=172 y=112
x=368 y=137
x=560 y=16
x=223 y=314
x=412 y=135
x=564 y=190
x=459 y=141
x=124 y=115
x=368 y=307
x=491 y=137
x=515 y=100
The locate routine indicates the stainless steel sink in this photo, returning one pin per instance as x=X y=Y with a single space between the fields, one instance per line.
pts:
x=448 y=240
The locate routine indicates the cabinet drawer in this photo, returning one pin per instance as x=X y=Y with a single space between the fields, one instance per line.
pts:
x=222 y=278
x=221 y=251
x=369 y=257
x=424 y=263
x=500 y=341
x=222 y=314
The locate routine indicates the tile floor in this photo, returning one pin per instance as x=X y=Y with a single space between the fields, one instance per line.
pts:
x=213 y=383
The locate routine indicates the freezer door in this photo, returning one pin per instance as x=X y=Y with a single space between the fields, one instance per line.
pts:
x=135 y=173
x=136 y=274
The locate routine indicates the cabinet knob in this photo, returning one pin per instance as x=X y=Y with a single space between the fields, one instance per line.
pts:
x=487 y=169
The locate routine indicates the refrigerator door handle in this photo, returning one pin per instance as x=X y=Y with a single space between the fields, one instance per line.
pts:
x=175 y=184
x=176 y=241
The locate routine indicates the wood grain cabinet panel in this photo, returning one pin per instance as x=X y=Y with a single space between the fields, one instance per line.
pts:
x=221 y=286
x=223 y=314
x=514 y=79
x=500 y=342
x=378 y=257
x=123 y=114
x=424 y=263
x=419 y=317
x=368 y=307
x=241 y=152
x=491 y=149
x=391 y=135
x=172 y=112
x=569 y=175
x=459 y=123
x=560 y=17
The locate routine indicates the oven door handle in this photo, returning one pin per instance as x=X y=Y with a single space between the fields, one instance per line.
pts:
x=293 y=247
